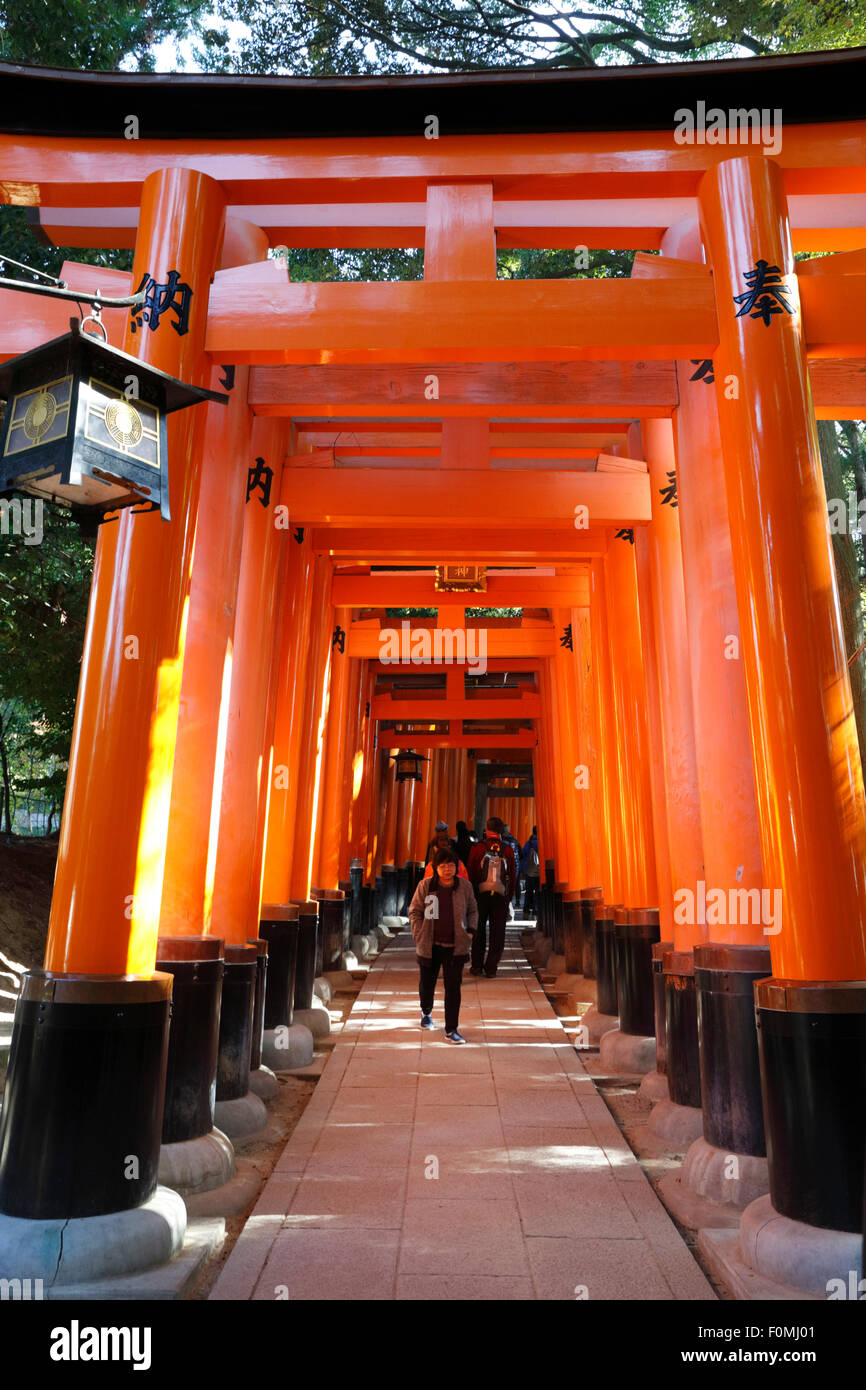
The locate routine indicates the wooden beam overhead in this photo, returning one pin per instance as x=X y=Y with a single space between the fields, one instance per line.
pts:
x=515 y=643
x=418 y=545
x=389 y=498
x=430 y=322
x=395 y=591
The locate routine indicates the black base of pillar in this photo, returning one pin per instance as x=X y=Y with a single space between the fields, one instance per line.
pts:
x=356 y=912
x=236 y=1022
x=605 y=958
x=572 y=933
x=660 y=949
x=402 y=888
x=635 y=980
x=389 y=890
x=345 y=888
x=588 y=899
x=681 y=1027
x=415 y=873
x=368 y=920
x=84 y=1092
x=730 y=1070
x=259 y=1000
x=332 y=911
x=812 y=1048
x=281 y=933
x=305 y=973
x=558 y=923
x=196 y=966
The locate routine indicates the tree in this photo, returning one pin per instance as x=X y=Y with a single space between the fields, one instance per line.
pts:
x=95 y=35
x=343 y=37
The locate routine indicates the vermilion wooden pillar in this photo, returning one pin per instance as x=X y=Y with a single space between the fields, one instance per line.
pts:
x=736 y=951
x=603 y=768
x=340 y=735
x=658 y=784
x=671 y=640
x=100 y=1043
x=246 y=773
x=289 y=728
x=573 y=871
x=388 y=843
x=419 y=838
x=311 y=744
x=810 y=795
x=591 y=795
x=105 y=907
x=187 y=891
x=639 y=879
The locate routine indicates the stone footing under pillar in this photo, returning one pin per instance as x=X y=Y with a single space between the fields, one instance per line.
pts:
x=598 y=1025
x=360 y=947
x=627 y=1052
x=197 y=1165
x=539 y=954
x=287 y=1047
x=87 y=1248
x=241 y=1118
x=713 y=1186
x=317 y=1019
x=654 y=1087
x=775 y=1258
x=263 y=1083
x=676 y=1124
x=341 y=980
x=322 y=989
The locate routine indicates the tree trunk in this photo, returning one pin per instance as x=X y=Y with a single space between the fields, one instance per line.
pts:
x=847 y=576
x=7 y=790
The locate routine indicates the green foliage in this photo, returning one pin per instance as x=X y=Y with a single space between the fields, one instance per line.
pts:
x=96 y=35
x=346 y=37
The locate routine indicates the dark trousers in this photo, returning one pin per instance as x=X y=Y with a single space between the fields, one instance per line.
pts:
x=493 y=908
x=530 y=897
x=452 y=973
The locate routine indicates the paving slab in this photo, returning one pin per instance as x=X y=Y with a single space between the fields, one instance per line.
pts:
x=421 y=1170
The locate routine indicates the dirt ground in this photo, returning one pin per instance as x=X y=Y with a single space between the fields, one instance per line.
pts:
x=26 y=880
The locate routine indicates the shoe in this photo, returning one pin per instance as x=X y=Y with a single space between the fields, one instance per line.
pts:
x=426 y=1021
x=490 y=977
x=473 y=971
x=455 y=1037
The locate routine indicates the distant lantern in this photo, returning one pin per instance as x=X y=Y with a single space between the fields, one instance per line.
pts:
x=85 y=426
x=408 y=764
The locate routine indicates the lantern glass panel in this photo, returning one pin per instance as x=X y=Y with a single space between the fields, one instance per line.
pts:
x=39 y=416
x=125 y=425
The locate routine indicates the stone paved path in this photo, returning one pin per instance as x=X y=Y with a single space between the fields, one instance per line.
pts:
x=538 y=1196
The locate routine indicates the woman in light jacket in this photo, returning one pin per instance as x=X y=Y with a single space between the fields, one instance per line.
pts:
x=443 y=915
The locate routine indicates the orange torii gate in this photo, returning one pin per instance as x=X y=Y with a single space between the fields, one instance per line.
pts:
x=638 y=456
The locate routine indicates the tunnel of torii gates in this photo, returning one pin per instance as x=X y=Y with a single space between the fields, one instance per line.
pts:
x=631 y=462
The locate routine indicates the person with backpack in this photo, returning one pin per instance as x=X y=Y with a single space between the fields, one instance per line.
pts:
x=530 y=867
x=443 y=916
x=493 y=872
x=514 y=845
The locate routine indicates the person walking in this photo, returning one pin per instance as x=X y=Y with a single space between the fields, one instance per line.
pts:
x=441 y=840
x=514 y=845
x=443 y=917
x=465 y=841
x=494 y=873
x=530 y=866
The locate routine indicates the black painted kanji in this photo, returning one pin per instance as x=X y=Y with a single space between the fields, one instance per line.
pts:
x=765 y=295
x=339 y=638
x=703 y=370
x=626 y=534
x=669 y=493
x=162 y=297
x=259 y=479
x=567 y=640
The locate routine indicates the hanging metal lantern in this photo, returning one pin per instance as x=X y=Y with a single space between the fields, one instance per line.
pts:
x=408 y=764
x=85 y=425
